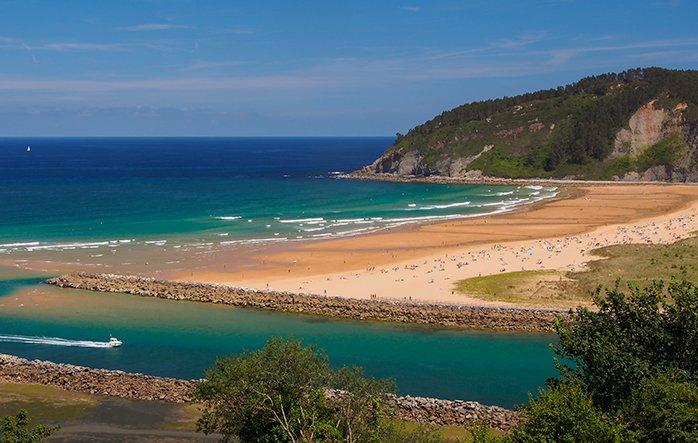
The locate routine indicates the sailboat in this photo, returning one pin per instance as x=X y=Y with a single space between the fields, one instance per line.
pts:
x=29 y=148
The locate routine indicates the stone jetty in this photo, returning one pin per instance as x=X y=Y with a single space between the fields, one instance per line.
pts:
x=444 y=315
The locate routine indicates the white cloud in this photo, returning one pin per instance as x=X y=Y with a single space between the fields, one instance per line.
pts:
x=151 y=27
x=202 y=64
x=411 y=8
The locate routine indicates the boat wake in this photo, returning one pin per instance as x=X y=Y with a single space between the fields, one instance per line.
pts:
x=54 y=341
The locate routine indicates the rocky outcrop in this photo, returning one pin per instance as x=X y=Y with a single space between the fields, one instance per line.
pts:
x=413 y=163
x=647 y=126
x=455 y=316
x=94 y=381
x=144 y=387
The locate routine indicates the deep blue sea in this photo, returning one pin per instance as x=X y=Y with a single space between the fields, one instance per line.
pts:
x=65 y=192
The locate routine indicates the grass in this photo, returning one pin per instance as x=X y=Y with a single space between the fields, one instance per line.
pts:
x=44 y=402
x=449 y=433
x=525 y=288
x=633 y=264
x=49 y=404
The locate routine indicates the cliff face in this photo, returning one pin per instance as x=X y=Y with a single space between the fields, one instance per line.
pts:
x=636 y=125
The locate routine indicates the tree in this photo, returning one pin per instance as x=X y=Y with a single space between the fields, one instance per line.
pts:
x=663 y=408
x=565 y=413
x=627 y=371
x=280 y=393
x=630 y=338
x=17 y=429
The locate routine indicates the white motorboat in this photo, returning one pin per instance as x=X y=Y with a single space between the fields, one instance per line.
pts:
x=114 y=342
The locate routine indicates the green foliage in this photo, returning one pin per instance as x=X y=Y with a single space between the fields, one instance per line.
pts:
x=663 y=408
x=667 y=151
x=278 y=393
x=17 y=429
x=631 y=373
x=630 y=338
x=565 y=413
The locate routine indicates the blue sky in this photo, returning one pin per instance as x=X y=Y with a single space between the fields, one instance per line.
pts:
x=181 y=67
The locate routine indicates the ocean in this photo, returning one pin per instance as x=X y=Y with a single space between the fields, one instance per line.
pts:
x=101 y=193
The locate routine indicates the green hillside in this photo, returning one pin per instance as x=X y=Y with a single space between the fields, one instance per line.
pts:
x=640 y=124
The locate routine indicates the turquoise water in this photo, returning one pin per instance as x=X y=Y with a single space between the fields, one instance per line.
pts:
x=75 y=194
x=98 y=194
x=181 y=339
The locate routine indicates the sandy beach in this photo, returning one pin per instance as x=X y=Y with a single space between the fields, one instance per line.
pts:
x=424 y=262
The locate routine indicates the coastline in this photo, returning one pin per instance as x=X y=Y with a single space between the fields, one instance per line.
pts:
x=423 y=262
x=487 y=180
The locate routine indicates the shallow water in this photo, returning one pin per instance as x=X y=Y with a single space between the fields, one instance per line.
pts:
x=181 y=339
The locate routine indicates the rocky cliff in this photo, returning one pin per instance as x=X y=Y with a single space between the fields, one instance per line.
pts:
x=639 y=125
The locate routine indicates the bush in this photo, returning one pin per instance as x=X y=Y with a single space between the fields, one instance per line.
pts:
x=565 y=413
x=629 y=371
x=17 y=429
x=663 y=408
x=630 y=338
x=279 y=393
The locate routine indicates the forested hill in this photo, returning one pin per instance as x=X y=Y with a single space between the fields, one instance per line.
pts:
x=640 y=124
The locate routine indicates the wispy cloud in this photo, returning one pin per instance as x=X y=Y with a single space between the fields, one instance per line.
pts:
x=62 y=47
x=520 y=41
x=141 y=27
x=13 y=43
x=411 y=8
x=563 y=55
x=261 y=82
x=202 y=65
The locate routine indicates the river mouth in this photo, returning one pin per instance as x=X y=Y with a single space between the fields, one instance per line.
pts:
x=182 y=339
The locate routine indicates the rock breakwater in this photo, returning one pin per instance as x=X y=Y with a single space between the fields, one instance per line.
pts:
x=121 y=384
x=94 y=381
x=446 y=315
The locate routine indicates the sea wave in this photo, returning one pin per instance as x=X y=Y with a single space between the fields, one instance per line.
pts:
x=303 y=220
x=228 y=217
x=53 y=341
x=16 y=245
x=444 y=206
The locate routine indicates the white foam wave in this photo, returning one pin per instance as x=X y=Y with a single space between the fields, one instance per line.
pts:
x=446 y=206
x=66 y=246
x=504 y=193
x=16 y=245
x=303 y=220
x=228 y=217
x=53 y=341
x=534 y=187
x=253 y=241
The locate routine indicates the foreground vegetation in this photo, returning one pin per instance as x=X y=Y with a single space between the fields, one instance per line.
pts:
x=631 y=263
x=19 y=429
x=628 y=371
